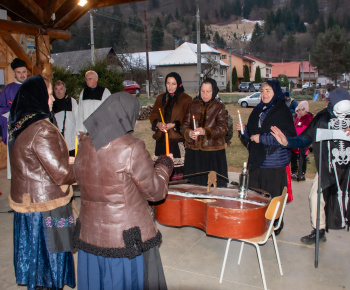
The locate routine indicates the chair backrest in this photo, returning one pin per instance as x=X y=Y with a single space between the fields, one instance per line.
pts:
x=282 y=200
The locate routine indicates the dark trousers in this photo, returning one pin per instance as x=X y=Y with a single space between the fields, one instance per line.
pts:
x=298 y=163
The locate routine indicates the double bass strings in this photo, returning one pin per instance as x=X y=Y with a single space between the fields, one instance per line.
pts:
x=214 y=196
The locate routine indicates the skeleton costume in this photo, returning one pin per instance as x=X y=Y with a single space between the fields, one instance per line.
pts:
x=335 y=157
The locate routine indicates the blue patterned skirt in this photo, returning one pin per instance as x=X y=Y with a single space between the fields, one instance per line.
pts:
x=34 y=264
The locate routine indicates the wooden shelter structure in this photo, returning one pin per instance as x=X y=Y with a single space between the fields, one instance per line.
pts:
x=27 y=27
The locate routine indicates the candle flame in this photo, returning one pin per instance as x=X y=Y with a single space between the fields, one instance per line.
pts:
x=193 y=116
x=238 y=111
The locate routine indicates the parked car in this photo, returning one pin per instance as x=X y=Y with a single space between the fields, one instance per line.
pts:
x=250 y=101
x=257 y=87
x=246 y=87
x=307 y=85
x=132 y=87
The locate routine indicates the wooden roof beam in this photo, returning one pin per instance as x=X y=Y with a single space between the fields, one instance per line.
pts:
x=18 y=51
x=35 y=9
x=49 y=10
x=73 y=15
x=19 y=27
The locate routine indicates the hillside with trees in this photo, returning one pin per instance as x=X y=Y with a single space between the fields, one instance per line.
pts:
x=280 y=30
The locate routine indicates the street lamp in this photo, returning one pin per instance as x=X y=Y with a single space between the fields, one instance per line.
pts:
x=82 y=3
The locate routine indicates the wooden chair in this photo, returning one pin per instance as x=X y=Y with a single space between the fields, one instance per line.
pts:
x=274 y=211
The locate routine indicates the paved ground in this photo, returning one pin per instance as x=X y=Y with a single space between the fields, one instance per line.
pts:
x=192 y=260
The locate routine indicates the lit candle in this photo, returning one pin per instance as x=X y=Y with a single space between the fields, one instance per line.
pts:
x=161 y=115
x=240 y=122
x=167 y=152
x=194 y=123
x=76 y=146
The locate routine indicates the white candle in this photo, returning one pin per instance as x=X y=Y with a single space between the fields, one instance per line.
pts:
x=240 y=122
x=194 y=123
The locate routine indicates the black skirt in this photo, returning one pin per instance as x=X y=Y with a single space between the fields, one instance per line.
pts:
x=272 y=180
x=197 y=161
x=177 y=148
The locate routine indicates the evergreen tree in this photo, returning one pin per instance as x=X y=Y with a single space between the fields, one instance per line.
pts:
x=330 y=22
x=257 y=78
x=203 y=33
x=291 y=42
x=321 y=24
x=257 y=39
x=283 y=79
x=311 y=7
x=177 y=16
x=234 y=79
x=154 y=3
x=157 y=37
x=218 y=40
x=248 y=6
x=246 y=74
x=332 y=53
x=237 y=8
x=269 y=22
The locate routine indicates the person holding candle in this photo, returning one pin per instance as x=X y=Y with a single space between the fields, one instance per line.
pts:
x=116 y=234
x=167 y=114
x=40 y=192
x=204 y=128
x=267 y=159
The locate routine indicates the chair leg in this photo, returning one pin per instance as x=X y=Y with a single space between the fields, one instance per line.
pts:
x=277 y=253
x=225 y=258
x=240 y=253
x=261 y=265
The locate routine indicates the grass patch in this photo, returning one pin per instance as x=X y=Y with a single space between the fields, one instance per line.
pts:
x=236 y=153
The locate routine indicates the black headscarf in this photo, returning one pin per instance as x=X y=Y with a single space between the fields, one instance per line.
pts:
x=115 y=117
x=215 y=89
x=30 y=105
x=278 y=93
x=178 y=91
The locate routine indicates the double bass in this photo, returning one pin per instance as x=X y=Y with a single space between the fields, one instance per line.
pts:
x=220 y=213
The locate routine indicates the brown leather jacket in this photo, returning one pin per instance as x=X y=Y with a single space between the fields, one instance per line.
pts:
x=40 y=169
x=212 y=118
x=175 y=116
x=116 y=183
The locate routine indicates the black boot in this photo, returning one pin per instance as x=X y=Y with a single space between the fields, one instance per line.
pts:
x=278 y=231
x=311 y=239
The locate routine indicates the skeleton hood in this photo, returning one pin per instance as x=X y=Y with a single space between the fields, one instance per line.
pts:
x=339 y=103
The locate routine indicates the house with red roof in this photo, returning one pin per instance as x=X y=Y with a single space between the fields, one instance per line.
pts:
x=298 y=72
x=265 y=68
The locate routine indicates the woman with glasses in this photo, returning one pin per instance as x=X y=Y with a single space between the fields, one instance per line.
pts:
x=302 y=120
x=204 y=128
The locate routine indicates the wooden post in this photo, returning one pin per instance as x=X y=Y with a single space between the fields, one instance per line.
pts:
x=43 y=55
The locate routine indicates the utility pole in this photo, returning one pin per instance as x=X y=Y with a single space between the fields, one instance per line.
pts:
x=92 y=42
x=230 y=73
x=147 y=57
x=199 y=58
x=302 y=73
x=310 y=72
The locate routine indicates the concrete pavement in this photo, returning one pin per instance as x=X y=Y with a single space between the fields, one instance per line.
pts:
x=193 y=260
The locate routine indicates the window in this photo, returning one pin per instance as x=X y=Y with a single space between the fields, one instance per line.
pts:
x=215 y=57
x=224 y=56
x=222 y=72
x=215 y=72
